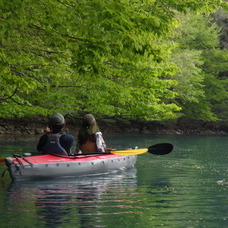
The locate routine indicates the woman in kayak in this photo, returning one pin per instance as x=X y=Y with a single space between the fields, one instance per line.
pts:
x=90 y=138
x=56 y=141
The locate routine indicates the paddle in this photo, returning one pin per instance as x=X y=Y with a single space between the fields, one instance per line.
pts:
x=157 y=149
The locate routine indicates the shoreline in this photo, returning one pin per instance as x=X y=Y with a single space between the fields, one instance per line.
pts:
x=35 y=127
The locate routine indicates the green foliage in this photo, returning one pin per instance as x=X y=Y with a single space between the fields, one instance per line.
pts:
x=189 y=77
x=221 y=17
x=197 y=32
x=106 y=57
x=202 y=92
x=216 y=81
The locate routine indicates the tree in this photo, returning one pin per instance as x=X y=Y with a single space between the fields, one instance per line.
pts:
x=200 y=90
x=106 y=57
x=216 y=81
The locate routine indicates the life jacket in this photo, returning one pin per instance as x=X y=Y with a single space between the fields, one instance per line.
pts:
x=53 y=146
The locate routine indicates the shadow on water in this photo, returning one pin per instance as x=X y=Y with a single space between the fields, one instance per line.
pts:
x=79 y=201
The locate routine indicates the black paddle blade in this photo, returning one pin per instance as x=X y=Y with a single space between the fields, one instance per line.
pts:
x=160 y=149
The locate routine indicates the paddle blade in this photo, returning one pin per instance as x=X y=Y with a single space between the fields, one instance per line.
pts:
x=129 y=152
x=2 y=160
x=160 y=149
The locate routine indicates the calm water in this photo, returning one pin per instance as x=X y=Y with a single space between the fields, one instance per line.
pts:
x=187 y=188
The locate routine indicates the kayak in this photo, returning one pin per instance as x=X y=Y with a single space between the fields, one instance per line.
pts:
x=55 y=166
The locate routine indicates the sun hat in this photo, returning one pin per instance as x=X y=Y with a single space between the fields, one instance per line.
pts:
x=56 y=119
x=89 y=120
x=89 y=125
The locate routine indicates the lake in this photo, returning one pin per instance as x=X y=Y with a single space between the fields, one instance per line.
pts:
x=186 y=188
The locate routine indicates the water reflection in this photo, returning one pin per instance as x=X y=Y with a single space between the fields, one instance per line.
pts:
x=187 y=188
x=80 y=201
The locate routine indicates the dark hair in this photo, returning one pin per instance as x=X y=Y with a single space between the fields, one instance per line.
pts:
x=58 y=127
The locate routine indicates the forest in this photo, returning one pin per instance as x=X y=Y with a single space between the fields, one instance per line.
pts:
x=147 y=60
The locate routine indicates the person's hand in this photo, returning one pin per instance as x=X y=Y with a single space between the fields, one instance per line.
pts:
x=47 y=129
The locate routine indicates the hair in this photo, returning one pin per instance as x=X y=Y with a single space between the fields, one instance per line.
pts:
x=57 y=127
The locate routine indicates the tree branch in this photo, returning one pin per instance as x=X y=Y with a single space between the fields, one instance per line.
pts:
x=4 y=98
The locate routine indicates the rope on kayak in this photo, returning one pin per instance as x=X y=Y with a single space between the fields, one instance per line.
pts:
x=25 y=159
x=18 y=160
x=79 y=155
x=22 y=157
x=3 y=173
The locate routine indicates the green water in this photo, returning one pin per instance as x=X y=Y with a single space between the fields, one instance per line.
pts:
x=187 y=188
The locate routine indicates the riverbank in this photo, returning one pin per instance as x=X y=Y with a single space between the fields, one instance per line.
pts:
x=35 y=126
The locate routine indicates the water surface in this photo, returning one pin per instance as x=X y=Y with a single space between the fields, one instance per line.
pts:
x=187 y=188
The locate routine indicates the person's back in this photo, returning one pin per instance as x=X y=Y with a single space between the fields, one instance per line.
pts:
x=55 y=141
x=90 y=138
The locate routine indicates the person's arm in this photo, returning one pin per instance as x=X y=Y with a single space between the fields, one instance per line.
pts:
x=78 y=149
x=41 y=143
x=67 y=141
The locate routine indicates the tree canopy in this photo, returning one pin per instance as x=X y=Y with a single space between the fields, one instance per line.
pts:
x=105 y=57
x=202 y=92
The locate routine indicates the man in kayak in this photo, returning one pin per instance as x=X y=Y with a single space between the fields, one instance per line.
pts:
x=90 y=138
x=55 y=140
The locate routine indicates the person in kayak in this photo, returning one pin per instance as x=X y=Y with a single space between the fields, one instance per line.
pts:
x=55 y=140
x=90 y=139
